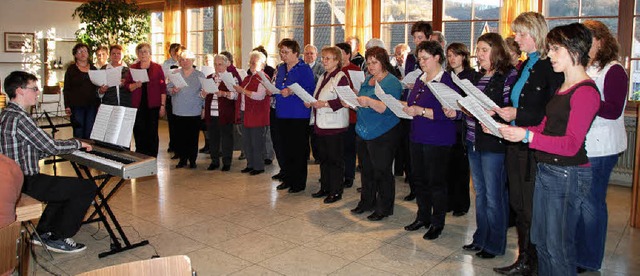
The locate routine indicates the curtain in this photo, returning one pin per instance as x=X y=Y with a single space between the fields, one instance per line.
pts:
x=232 y=28
x=510 y=10
x=264 y=14
x=358 y=20
x=171 y=24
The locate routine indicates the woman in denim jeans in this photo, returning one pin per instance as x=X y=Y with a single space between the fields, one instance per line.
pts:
x=563 y=166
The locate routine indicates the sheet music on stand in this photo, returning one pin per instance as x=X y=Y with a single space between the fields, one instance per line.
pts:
x=177 y=80
x=472 y=90
x=392 y=103
x=357 y=78
x=139 y=75
x=302 y=94
x=266 y=82
x=473 y=106
x=208 y=85
x=229 y=81
x=447 y=97
x=346 y=95
x=109 y=77
x=114 y=125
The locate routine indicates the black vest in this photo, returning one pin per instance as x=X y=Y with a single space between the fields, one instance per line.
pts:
x=557 y=111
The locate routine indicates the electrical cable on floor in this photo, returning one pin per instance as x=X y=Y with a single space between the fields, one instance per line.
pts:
x=35 y=259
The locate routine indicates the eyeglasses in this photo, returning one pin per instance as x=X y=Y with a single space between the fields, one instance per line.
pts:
x=285 y=52
x=424 y=58
x=327 y=58
x=34 y=89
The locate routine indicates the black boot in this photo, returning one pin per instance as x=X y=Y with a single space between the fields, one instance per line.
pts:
x=520 y=267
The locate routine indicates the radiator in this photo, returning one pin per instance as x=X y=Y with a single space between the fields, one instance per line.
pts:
x=623 y=171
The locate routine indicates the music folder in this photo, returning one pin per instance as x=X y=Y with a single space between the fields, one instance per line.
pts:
x=114 y=125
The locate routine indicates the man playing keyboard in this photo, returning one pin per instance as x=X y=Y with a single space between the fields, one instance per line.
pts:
x=67 y=198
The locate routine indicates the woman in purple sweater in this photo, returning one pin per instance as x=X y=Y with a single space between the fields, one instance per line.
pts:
x=432 y=134
x=563 y=165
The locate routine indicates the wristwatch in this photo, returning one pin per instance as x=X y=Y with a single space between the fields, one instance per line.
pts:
x=424 y=111
x=526 y=137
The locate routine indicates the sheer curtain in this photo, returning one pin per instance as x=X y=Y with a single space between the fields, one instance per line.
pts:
x=358 y=20
x=171 y=23
x=231 y=14
x=510 y=10
x=263 y=19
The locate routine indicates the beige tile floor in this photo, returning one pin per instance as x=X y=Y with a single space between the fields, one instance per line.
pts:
x=233 y=223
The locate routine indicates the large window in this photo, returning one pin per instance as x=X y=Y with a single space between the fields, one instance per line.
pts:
x=634 y=72
x=466 y=20
x=200 y=32
x=289 y=23
x=157 y=37
x=327 y=22
x=561 y=12
x=397 y=17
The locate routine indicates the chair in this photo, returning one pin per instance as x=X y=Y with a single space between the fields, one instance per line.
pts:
x=51 y=95
x=166 y=266
x=9 y=241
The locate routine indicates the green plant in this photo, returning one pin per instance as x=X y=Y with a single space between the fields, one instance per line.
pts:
x=112 y=22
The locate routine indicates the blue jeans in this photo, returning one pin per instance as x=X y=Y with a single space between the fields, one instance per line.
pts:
x=489 y=180
x=592 y=224
x=82 y=118
x=556 y=210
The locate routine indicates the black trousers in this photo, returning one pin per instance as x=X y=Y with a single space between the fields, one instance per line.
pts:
x=349 y=138
x=145 y=131
x=171 y=122
x=428 y=164
x=402 y=162
x=458 y=174
x=275 y=138
x=330 y=149
x=521 y=172
x=187 y=141
x=376 y=155
x=294 y=132
x=67 y=198
x=220 y=141
x=313 y=143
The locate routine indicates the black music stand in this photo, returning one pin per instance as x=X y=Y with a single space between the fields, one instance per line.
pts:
x=102 y=203
x=54 y=129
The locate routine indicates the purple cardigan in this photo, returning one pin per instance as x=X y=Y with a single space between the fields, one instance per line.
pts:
x=441 y=131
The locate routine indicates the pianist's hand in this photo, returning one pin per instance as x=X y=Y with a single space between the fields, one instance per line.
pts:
x=86 y=146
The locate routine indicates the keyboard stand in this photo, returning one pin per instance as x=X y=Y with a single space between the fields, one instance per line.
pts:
x=100 y=203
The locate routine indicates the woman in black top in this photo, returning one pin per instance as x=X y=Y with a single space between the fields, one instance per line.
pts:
x=80 y=100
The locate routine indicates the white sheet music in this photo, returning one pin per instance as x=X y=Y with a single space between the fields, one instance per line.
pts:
x=177 y=80
x=139 y=75
x=472 y=90
x=412 y=77
x=207 y=70
x=447 y=97
x=346 y=95
x=392 y=103
x=472 y=105
x=229 y=81
x=357 y=78
x=302 y=94
x=208 y=85
x=114 y=124
x=242 y=72
x=109 y=77
x=267 y=83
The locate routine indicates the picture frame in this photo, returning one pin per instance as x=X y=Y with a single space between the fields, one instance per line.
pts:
x=13 y=42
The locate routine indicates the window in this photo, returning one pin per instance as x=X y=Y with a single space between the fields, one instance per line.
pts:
x=289 y=23
x=327 y=22
x=466 y=20
x=561 y=12
x=200 y=32
x=397 y=17
x=634 y=72
x=157 y=37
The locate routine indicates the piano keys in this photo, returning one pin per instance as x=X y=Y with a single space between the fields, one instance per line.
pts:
x=121 y=163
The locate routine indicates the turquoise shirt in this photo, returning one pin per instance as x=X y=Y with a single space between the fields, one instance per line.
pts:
x=371 y=124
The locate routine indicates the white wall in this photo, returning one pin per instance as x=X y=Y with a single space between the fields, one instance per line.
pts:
x=31 y=16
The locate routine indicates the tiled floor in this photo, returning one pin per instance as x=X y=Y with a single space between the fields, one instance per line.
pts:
x=233 y=223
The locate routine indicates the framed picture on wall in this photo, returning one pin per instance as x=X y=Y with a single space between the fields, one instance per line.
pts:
x=13 y=42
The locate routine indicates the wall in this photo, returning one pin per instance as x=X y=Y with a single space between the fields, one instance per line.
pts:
x=31 y=16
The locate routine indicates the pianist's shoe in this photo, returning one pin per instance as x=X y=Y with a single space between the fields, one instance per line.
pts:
x=67 y=245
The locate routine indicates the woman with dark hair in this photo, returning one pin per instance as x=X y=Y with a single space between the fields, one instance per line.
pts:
x=530 y=94
x=349 y=135
x=292 y=117
x=150 y=100
x=431 y=135
x=514 y=51
x=563 y=165
x=80 y=97
x=606 y=140
x=378 y=135
x=486 y=152
x=458 y=174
